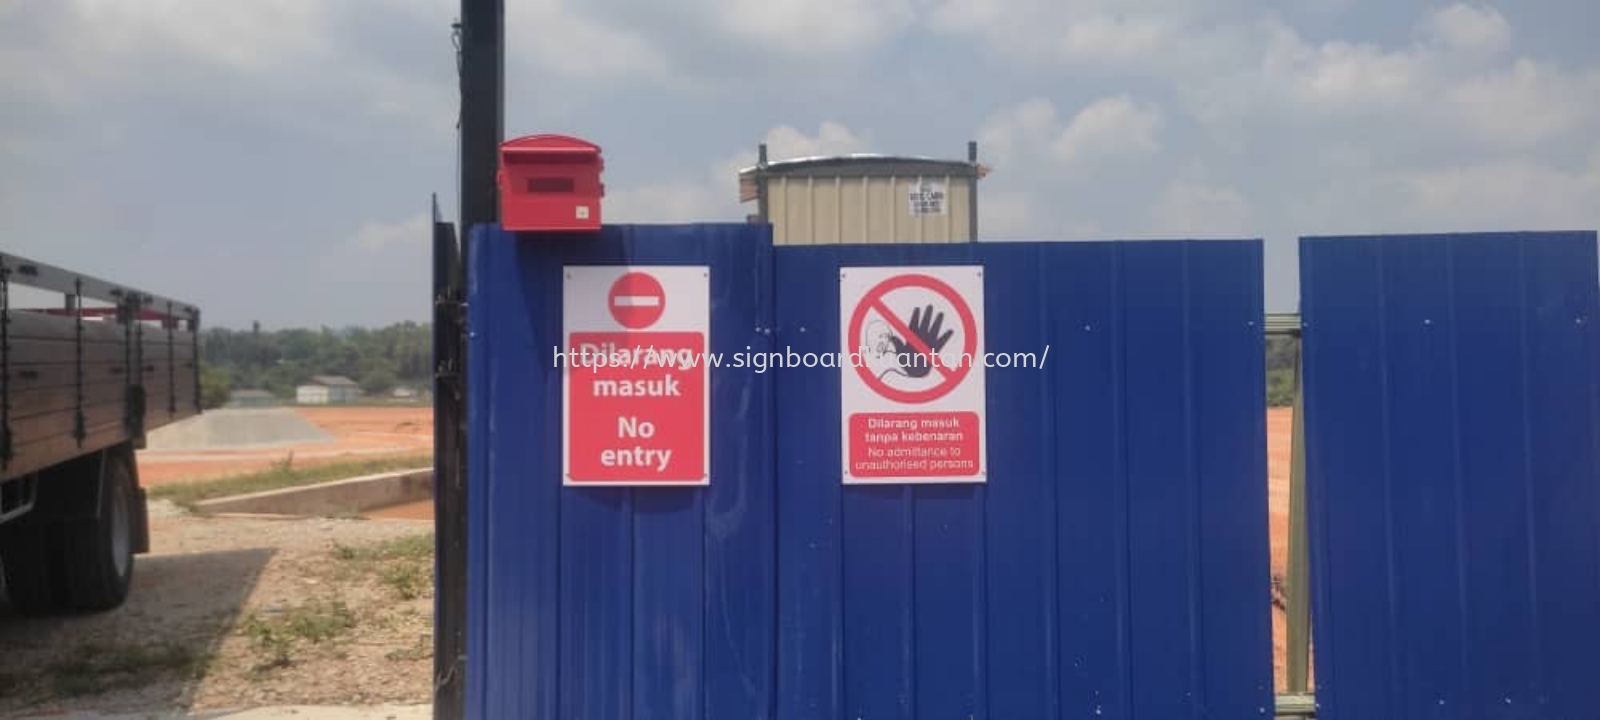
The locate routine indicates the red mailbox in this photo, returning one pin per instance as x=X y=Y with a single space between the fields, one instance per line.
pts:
x=550 y=182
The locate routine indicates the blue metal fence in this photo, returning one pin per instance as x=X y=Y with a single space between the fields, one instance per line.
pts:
x=1450 y=402
x=1114 y=565
x=610 y=602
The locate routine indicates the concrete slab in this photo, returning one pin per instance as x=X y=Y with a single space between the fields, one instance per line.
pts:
x=351 y=496
x=237 y=428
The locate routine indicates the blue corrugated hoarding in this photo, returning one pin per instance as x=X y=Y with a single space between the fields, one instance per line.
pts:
x=1450 y=390
x=1113 y=565
x=610 y=602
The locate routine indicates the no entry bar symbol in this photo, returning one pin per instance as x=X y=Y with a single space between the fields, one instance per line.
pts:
x=636 y=300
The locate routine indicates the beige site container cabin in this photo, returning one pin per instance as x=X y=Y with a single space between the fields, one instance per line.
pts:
x=855 y=199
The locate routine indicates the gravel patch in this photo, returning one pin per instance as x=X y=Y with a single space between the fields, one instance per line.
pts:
x=240 y=612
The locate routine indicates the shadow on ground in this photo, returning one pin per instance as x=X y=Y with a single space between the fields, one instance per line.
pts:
x=152 y=652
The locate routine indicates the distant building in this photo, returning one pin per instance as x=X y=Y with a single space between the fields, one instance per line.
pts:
x=327 y=390
x=251 y=398
x=405 y=393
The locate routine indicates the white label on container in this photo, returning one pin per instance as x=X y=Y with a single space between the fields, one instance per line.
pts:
x=927 y=198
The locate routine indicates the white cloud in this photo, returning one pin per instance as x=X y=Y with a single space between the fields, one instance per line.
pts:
x=251 y=37
x=1157 y=36
x=813 y=27
x=269 y=56
x=1425 y=95
x=831 y=138
x=715 y=195
x=1104 y=38
x=1016 y=28
x=1109 y=127
x=1469 y=28
x=1339 y=76
x=1526 y=104
x=1016 y=130
x=379 y=236
x=555 y=36
x=1195 y=208
x=1006 y=215
x=1510 y=194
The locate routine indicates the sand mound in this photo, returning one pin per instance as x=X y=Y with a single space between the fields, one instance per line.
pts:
x=228 y=428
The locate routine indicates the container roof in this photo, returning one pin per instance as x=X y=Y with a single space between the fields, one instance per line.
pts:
x=857 y=165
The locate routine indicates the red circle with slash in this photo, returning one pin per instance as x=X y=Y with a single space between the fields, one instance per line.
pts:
x=636 y=300
x=872 y=301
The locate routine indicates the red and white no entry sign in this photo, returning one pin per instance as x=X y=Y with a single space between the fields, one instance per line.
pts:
x=635 y=387
x=912 y=405
x=636 y=300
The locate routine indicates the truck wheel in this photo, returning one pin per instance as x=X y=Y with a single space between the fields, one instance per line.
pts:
x=28 y=559
x=97 y=553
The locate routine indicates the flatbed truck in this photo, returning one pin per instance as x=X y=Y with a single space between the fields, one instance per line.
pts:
x=82 y=381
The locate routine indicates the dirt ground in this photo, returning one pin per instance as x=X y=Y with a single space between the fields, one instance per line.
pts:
x=1280 y=426
x=358 y=432
x=238 y=612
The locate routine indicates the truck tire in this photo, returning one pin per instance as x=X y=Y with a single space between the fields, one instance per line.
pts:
x=28 y=558
x=97 y=552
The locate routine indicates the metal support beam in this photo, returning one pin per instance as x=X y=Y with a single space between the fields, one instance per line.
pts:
x=972 y=192
x=1296 y=705
x=761 y=183
x=449 y=479
x=1298 y=615
x=1283 y=324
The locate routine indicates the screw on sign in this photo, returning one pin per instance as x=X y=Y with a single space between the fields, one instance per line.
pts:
x=914 y=341
x=637 y=300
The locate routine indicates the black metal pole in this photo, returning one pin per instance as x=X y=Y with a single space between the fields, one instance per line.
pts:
x=482 y=109
x=482 y=69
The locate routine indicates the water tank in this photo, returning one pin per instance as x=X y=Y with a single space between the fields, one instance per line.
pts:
x=863 y=198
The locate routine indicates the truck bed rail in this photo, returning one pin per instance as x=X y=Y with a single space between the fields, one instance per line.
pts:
x=75 y=379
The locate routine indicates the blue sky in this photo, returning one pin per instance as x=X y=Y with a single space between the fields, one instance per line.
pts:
x=272 y=160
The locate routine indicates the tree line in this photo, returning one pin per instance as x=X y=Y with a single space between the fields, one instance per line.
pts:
x=380 y=359
x=384 y=358
x=1281 y=359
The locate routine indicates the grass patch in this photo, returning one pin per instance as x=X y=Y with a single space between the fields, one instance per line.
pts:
x=410 y=547
x=403 y=565
x=284 y=474
x=407 y=581
x=276 y=638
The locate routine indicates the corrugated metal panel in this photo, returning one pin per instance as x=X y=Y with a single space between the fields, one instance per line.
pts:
x=1451 y=464
x=855 y=209
x=1111 y=567
x=615 y=603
